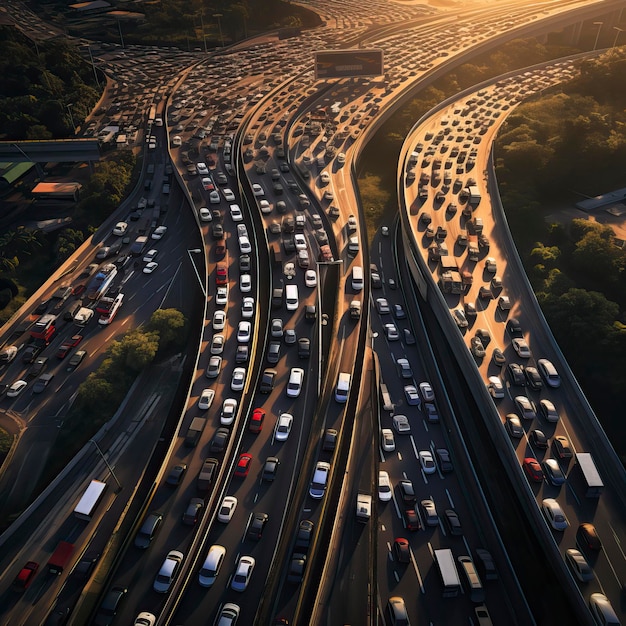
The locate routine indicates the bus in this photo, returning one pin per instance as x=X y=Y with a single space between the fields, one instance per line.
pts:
x=448 y=573
x=44 y=327
x=90 y=500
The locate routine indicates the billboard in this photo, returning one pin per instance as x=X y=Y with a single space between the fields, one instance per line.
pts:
x=348 y=63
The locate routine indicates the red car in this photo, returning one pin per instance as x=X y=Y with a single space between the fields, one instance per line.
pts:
x=243 y=465
x=26 y=575
x=401 y=550
x=67 y=345
x=533 y=469
x=411 y=519
x=256 y=421
x=221 y=275
x=78 y=289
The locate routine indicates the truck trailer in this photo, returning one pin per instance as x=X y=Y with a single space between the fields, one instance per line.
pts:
x=60 y=557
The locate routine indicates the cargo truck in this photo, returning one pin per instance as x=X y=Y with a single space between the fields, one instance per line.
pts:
x=195 y=430
x=472 y=248
x=451 y=282
x=60 y=557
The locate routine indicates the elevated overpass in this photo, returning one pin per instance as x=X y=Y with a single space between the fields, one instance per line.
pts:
x=58 y=151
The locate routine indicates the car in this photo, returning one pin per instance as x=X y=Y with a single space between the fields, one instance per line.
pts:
x=387 y=440
x=533 y=469
x=214 y=367
x=273 y=352
x=110 y=606
x=443 y=460
x=533 y=380
x=407 y=491
x=228 y=194
x=429 y=512
x=193 y=511
x=300 y=241
x=485 y=564
x=227 y=509
x=245 y=283
x=304 y=347
x=16 y=388
x=514 y=426
x=243 y=573
x=404 y=368
x=244 y=245
x=221 y=296
x=290 y=336
x=265 y=206
x=319 y=481
x=548 y=410
x=296 y=568
x=267 y=380
x=220 y=439
x=244 y=331
x=549 y=373
x=382 y=306
x=221 y=274
x=453 y=523
x=384 y=486
x=257 y=525
x=495 y=387
x=391 y=332
x=427 y=462
x=145 y=619
x=294 y=385
x=42 y=382
x=399 y=312
x=521 y=348
x=498 y=358
x=426 y=391
x=256 y=420
x=310 y=278
x=514 y=328
x=490 y=265
x=235 y=213
x=214 y=195
x=243 y=465
x=401 y=425
x=159 y=232
x=150 y=267
x=516 y=375
x=408 y=337
x=149 y=256
x=562 y=447
x=411 y=520
x=401 y=550
x=276 y=328
x=205 y=214
x=247 y=307
x=283 y=427
x=228 y=615
x=305 y=532
x=176 y=474
x=245 y=263
x=120 y=229
x=579 y=565
x=470 y=310
x=587 y=537
x=553 y=473
x=554 y=514
x=324 y=177
x=25 y=576
x=257 y=190
x=219 y=320
x=270 y=468
x=525 y=407
x=460 y=318
x=217 y=344
x=229 y=410
x=538 y=439
x=217 y=230
x=411 y=395
x=477 y=348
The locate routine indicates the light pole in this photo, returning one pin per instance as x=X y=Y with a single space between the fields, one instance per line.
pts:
x=69 y=110
x=119 y=27
x=219 y=24
x=203 y=35
x=599 y=25
x=195 y=269
x=619 y=30
x=107 y=464
x=95 y=73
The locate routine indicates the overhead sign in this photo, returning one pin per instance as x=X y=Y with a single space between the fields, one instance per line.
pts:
x=348 y=63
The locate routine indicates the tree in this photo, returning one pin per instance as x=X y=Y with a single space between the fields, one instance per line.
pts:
x=140 y=349
x=95 y=391
x=169 y=324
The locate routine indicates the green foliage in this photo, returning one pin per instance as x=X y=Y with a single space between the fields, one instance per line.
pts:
x=170 y=326
x=67 y=242
x=6 y=440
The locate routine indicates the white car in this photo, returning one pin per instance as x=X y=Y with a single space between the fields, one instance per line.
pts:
x=239 y=379
x=244 y=331
x=221 y=296
x=257 y=190
x=206 y=399
x=300 y=241
x=392 y=332
x=159 y=232
x=525 y=407
x=290 y=336
x=384 y=486
x=228 y=194
x=521 y=347
x=426 y=391
x=202 y=168
x=245 y=283
x=144 y=618
x=283 y=427
x=150 y=267
x=427 y=462
x=382 y=306
x=495 y=387
x=168 y=572
x=225 y=513
x=490 y=265
x=411 y=395
x=217 y=344
x=244 y=245
x=244 y=570
x=401 y=424
x=229 y=409
x=387 y=440
x=294 y=386
x=16 y=388
x=325 y=178
x=214 y=197
x=320 y=480
x=276 y=328
x=228 y=615
x=205 y=214
x=219 y=320
x=247 y=308
x=310 y=278
x=120 y=229
x=265 y=207
x=235 y=213
x=554 y=514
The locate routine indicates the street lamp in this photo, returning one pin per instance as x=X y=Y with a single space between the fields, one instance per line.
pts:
x=195 y=269
x=219 y=24
x=619 y=30
x=119 y=27
x=203 y=35
x=599 y=25
x=107 y=464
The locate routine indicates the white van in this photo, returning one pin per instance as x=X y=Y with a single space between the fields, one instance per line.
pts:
x=343 y=387
x=357 y=278
x=291 y=297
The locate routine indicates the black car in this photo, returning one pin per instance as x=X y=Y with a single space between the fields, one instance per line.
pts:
x=296 y=568
x=38 y=366
x=42 y=382
x=244 y=263
x=485 y=564
x=85 y=566
x=176 y=474
x=407 y=491
x=538 y=439
x=255 y=530
x=514 y=328
x=267 y=380
x=533 y=379
x=242 y=354
x=330 y=440
x=443 y=460
x=270 y=469
x=30 y=353
x=516 y=374
x=220 y=439
x=289 y=244
x=305 y=532
x=453 y=522
x=109 y=607
x=304 y=347
x=42 y=307
x=217 y=230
